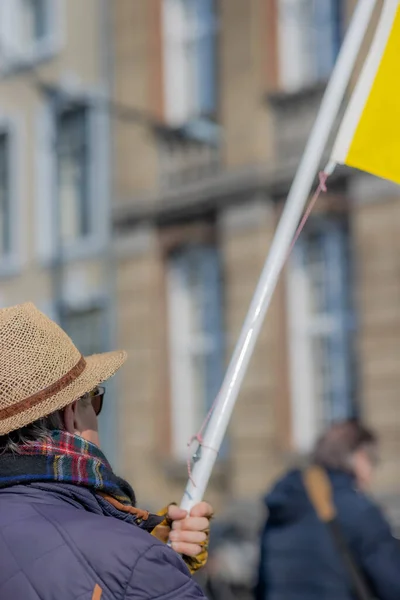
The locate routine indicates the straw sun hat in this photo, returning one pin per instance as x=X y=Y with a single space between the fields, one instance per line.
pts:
x=41 y=370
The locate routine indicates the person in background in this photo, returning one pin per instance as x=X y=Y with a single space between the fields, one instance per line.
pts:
x=299 y=558
x=69 y=527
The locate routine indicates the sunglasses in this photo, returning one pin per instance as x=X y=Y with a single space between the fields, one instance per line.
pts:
x=97 y=396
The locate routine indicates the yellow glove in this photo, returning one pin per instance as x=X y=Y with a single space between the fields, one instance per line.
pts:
x=162 y=531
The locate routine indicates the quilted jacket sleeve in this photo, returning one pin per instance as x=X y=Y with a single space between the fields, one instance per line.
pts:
x=161 y=573
x=379 y=554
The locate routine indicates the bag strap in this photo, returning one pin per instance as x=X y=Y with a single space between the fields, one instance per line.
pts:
x=319 y=491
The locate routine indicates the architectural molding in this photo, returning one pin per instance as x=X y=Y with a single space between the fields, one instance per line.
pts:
x=209 y=195
x=367 y=189
x=246 y=215
x=136 y=242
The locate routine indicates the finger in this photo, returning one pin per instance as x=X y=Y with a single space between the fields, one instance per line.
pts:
x=192 y=524
x=187 y=549
x=203 y=509
x=175 y=513
x=188 y=537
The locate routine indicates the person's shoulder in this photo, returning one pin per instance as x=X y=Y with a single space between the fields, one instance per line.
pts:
x=60 y=545
x=358 y=510
x=354 y=498
x=97 y=534
x=125 y=557
x=141 y=563
x=161 y=573
x=105 y=546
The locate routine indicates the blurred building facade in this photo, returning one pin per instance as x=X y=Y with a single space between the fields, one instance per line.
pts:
x=227 y=93
x=54 y=164
x=212 y=104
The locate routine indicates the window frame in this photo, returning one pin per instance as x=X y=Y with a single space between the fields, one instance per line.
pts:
x=43 y=50
x=83 y=208
x=5 y=202
x=97 y=239
x=308 y=406
x=11 y=262
x=92 y=300
x=185 y=423
x=84 y=308
x=290 y=81
x=174 y=78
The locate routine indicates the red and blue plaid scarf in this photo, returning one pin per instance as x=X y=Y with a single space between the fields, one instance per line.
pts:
x=64 y=458
x=69 y=459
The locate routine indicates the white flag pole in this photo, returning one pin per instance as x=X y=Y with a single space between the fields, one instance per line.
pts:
x=294 y=207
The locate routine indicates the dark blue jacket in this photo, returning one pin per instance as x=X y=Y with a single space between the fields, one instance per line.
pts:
x=56 y=544
x=298 y=558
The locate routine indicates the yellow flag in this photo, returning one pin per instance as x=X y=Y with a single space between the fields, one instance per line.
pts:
x=369 y=136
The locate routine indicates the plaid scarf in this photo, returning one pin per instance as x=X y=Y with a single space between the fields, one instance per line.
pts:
x=64 y=458
x=69 y=459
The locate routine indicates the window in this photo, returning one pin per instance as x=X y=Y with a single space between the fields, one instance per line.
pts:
x=72 y=137
x=28 y=30
x=33 y=23
x=189 y=28
x=73 y=173
x=310 y=34
x=320 y=332
x=196 y=339
x=5 y=200
x=86 y=328
x=11 y=220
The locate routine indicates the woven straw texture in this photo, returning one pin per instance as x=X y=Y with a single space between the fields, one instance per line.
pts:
x=41 y=370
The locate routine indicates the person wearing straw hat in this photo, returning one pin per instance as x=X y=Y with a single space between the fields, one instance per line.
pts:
x=69 y=527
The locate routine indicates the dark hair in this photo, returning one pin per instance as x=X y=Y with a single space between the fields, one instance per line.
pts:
x=336 y=446
x=39 y=430
x=36 y=431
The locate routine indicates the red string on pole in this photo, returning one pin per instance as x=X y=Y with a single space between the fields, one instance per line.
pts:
x=198 y=437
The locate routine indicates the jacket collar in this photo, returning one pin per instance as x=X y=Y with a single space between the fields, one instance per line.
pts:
x=55 y=493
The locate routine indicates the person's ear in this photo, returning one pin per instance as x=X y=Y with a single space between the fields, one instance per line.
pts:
x=70 y=420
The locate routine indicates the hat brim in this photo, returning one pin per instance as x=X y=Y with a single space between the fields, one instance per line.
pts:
x=99 y=368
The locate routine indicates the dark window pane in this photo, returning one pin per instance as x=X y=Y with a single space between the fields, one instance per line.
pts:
x=4 y=193
x=327 y=260
x=73 y=172
x=86 y=329
x=34 y=17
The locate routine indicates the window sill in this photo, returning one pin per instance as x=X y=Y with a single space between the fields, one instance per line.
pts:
x=41 y=53
x=287 y=97
x=200 y=131
x=81 y=249
x=88 y=247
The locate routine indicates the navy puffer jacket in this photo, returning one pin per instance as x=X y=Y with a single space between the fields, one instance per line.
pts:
x=299 y=560
x=56 y=544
